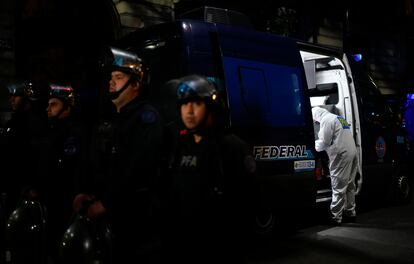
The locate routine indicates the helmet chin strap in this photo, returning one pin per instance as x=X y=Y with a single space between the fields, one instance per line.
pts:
x=114 y=95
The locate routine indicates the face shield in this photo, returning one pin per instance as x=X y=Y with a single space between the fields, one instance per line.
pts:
x=115 y=59
x=63 y=92
x=36 y=92
x=21 y=88
x=122 y=60
x=196 y=87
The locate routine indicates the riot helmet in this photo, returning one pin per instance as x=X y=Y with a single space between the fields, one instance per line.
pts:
x=34 y=93
x=61 y=102
x=115 y=59
x=25 y=232
x=86 y=240
x=23 y=88
x=63 y=92
x=198 y=87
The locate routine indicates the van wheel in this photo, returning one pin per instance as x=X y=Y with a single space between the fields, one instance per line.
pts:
x=403 y=189
x=265 y=223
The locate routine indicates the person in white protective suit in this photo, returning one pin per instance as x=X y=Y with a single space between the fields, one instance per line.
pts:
x=335 y=137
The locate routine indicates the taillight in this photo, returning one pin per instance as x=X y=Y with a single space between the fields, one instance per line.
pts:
x=318 y=173
x=318 y=170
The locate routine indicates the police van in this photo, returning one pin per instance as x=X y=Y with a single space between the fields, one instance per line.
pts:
x=263 y=80
x=337 y=82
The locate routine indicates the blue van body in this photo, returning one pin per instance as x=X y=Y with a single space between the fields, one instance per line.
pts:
x=263 y=80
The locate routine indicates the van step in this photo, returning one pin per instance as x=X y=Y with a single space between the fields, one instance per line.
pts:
x=323 y=199
x=324 y=195
x=324 y=191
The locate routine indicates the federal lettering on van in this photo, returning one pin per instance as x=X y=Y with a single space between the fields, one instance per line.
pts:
x=284 y=152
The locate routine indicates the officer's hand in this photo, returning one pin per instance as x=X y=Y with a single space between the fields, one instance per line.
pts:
x=88 y=205
x=96 y=210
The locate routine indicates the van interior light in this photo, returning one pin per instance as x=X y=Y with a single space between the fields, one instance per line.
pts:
x=357 y=57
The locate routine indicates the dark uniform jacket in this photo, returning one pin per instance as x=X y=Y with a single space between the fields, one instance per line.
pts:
x=69 y=145
x=209 y=196
x=24 y=151
x=68 y=150
x=129 y=149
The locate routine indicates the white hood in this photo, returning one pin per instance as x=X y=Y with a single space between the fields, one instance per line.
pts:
x=318 y=113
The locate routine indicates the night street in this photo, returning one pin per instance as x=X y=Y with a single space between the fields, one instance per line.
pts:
x=206 y=131
x=384 y=235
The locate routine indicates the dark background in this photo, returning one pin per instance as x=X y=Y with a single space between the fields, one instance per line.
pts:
x=58 y=40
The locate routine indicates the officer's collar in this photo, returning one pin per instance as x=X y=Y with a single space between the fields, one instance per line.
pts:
x=133 y=104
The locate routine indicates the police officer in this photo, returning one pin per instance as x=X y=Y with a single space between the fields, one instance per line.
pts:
x=212 y=176
x=23 y=147
x=128 y=150
x=68 y=139
x=24 y=138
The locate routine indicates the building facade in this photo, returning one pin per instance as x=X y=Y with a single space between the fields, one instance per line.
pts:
x=58 y=40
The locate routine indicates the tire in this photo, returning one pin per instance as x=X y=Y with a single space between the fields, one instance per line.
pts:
x=264 y=223
x=402 y=188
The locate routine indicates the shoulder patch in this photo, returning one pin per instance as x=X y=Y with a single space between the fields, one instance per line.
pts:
x=148 y=116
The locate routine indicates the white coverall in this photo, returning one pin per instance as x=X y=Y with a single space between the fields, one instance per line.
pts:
x=335 y=137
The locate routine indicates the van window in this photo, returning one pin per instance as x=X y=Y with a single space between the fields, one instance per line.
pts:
x=375 y=109
x=264 y=93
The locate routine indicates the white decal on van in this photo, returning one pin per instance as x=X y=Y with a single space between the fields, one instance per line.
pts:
x=281 y=152
x=304 y=165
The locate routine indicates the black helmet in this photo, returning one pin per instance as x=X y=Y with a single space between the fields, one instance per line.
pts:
x=63 y=92
x=123 y=60
x=25 y=232
x=23 y=88
x=196 y=87
x=86 y=241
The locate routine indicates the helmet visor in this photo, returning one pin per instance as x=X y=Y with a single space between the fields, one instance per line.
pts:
x=64 y=92
x=194 y=87
x=122 y=60
x=22 y=88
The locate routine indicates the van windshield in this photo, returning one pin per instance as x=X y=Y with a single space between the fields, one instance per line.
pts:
x=264 y=93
